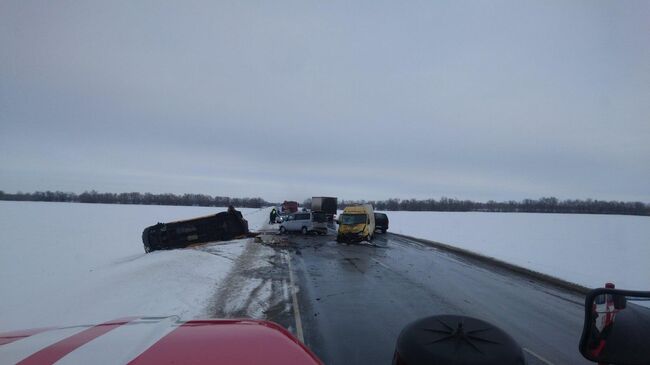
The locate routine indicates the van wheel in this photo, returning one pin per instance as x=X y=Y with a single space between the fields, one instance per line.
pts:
x=304 y=230
x=283 y=230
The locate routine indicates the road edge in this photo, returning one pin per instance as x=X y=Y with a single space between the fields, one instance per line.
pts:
x=548 y=279
x=294 y=300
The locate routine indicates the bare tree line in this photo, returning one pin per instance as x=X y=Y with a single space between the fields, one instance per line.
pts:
x=93 y=196
x=542 y=205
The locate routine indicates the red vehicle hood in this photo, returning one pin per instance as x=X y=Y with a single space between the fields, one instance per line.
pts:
x=157 y=340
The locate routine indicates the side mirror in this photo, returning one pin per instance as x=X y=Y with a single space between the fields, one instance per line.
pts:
x=616 y=327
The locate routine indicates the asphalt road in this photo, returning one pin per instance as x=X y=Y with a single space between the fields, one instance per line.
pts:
x=353 y=300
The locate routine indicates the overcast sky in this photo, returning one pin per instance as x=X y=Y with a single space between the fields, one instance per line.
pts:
x=361 y=100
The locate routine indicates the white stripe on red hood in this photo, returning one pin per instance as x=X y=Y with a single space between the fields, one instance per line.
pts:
x=12 y=336
x=16 y=351
x=123 y=344
x=57 y=350
x=158 y=340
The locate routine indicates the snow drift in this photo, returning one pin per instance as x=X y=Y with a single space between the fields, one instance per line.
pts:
x=65 y=264
x=586 y=249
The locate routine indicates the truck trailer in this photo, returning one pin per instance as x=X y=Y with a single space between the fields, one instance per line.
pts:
x=324 y=204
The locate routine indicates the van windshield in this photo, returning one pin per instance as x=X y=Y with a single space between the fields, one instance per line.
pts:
x=353 y=218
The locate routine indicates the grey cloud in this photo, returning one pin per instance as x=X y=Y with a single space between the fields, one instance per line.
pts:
x=367 y=100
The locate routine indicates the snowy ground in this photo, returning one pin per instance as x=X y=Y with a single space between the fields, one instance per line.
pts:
x=75 y=263
x=585 y=249
x=66 y=264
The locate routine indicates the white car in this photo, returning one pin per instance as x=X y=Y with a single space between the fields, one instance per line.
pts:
x=297 y=222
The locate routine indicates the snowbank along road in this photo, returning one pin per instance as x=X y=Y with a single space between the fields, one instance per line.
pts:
x=69 y=264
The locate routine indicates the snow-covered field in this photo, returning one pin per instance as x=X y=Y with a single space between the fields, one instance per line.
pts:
x=585 y=249
x=64 y=264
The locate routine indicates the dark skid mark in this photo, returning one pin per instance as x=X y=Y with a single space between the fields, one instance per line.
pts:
x=351 y=261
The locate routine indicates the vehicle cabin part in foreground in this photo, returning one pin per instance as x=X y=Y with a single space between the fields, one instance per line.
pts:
x=440 y=339
x=616 y=327
x=356 y=223
x=158 y=340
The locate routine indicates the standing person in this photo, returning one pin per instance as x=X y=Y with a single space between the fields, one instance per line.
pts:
x=231 y=209
x=274 y=214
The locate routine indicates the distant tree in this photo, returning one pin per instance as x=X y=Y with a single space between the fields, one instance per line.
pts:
x=541 y=205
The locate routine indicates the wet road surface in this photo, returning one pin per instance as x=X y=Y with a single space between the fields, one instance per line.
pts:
x=355 y=299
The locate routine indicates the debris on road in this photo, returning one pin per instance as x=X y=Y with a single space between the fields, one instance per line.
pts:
x=272 y=239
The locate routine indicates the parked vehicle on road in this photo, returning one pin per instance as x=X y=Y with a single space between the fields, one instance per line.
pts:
x=326 y=205
x=319 y=221
x=281 y=217
x=289 y=207
x=381 y=222
x=356 y=223
x=304 y=222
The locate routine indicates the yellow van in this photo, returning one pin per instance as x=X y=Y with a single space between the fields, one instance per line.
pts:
x=356 y=223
